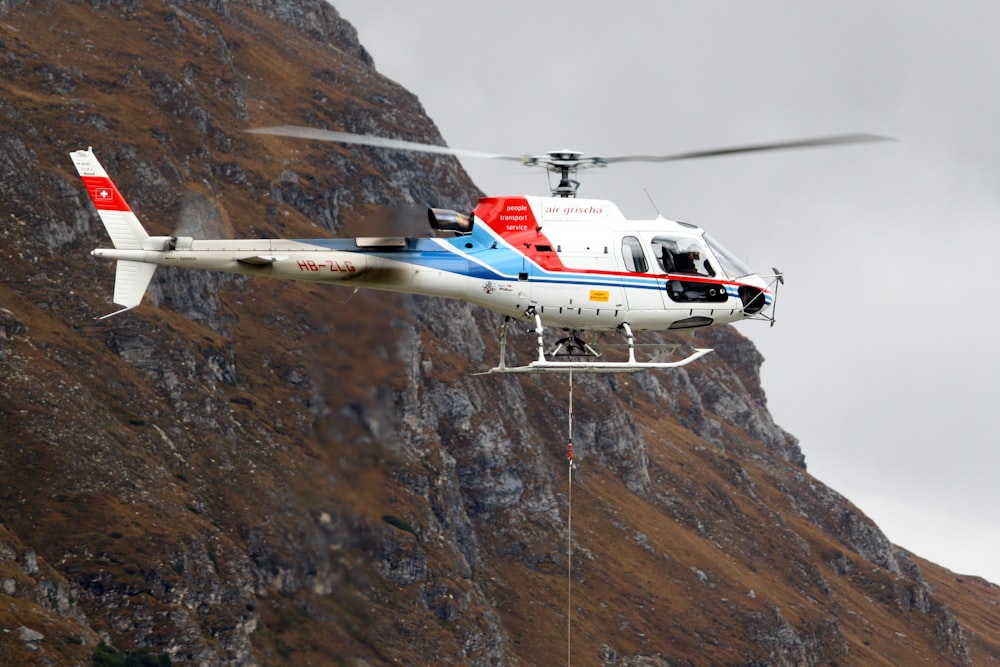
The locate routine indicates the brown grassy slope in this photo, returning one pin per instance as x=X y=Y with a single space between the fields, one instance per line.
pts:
x=975 y=602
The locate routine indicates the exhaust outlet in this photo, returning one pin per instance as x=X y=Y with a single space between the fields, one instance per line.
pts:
x=450 y=221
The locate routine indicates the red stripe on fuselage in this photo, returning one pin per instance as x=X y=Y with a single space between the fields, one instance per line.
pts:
x=513 y=219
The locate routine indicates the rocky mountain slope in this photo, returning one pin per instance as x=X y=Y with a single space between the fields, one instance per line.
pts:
x=251 y=472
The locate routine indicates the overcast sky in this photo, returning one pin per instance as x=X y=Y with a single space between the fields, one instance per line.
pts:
x=885 y=358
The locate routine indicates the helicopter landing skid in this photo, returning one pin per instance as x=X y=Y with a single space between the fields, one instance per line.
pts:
x=587 y=358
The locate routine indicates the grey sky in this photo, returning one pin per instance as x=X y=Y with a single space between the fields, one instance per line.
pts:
x=884 y=361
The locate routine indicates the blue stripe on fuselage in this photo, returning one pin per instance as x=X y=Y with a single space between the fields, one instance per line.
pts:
x=483 y=255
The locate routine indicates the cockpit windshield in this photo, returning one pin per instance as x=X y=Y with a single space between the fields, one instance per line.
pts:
x=731 y=264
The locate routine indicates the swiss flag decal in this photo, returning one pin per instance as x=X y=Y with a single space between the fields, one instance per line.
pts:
x=104 y=195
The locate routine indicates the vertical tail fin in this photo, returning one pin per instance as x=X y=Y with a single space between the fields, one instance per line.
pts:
x=126 y=232
x=123 y=226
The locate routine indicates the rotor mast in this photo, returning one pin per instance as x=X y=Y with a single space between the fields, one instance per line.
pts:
x=564 y=162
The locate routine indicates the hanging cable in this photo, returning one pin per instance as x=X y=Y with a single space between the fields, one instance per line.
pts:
x=569 y=532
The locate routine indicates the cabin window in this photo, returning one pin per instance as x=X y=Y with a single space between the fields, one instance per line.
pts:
x=682 y=254
x=635 y=260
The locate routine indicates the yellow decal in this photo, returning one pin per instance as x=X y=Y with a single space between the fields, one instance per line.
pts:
x=600 y=295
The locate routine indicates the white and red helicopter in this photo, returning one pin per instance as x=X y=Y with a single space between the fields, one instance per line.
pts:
x=572 y=264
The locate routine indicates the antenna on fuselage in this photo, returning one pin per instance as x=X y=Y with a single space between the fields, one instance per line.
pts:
x=653 y=203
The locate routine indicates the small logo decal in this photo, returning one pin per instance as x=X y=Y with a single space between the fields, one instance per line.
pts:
x=600 y=295
x=489 y=287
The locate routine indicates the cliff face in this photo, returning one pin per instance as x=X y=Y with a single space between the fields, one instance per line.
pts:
x=252 y=472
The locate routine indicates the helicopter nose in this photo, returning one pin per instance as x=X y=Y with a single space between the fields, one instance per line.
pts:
x=753 y=298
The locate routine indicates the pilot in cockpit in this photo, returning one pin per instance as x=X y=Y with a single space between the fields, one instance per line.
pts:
x=686 y=261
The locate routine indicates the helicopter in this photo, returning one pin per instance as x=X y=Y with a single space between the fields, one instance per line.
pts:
x=559 y=262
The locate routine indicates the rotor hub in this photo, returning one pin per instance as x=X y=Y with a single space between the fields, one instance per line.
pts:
x=564 y=162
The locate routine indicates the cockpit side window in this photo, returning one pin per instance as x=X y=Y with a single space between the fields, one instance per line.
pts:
x=682 y=255
x=635 y=260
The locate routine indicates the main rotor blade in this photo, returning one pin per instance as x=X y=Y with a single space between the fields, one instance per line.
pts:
x=371 y=140
x=754 y=148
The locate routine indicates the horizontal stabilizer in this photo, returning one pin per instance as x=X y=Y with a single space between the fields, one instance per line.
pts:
x=131 y=281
